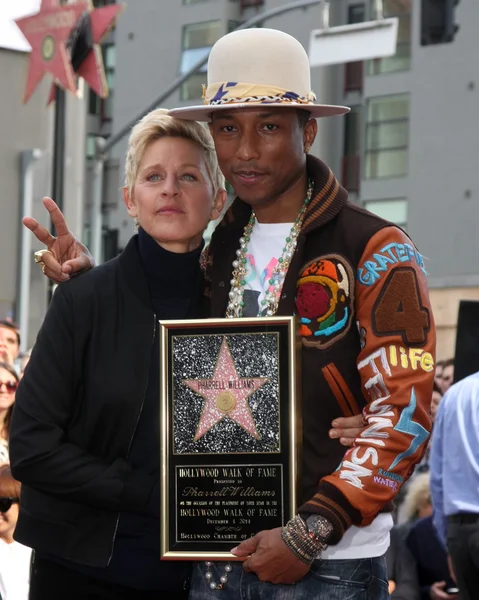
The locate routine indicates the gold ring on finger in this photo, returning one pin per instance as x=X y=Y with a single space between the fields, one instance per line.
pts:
x=38 y=255
x=42 y=266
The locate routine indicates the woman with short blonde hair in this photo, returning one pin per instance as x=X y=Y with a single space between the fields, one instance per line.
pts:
x=157 y=124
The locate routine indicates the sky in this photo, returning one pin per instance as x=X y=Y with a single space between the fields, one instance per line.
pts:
x=10 y=36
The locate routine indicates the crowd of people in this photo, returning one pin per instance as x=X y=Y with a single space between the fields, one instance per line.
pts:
x=83 y=436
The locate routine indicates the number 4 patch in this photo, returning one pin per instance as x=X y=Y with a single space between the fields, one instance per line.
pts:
x=398 y=309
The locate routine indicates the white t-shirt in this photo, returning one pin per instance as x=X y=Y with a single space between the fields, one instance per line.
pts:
x=264 y=249
x=14 y=571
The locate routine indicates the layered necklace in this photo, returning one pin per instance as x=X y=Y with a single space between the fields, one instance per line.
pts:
x=273 y=293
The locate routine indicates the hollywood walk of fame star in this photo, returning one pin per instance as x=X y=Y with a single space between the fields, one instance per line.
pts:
x=87 y=60
x=226 y=395
x=47 y=33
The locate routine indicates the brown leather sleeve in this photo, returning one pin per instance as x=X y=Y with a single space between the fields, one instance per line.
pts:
x=396 y=365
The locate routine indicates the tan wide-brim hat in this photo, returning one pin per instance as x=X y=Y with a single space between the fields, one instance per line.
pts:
x=257 y=67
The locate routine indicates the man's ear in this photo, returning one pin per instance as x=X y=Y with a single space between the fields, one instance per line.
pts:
x=309 y=133
x=129 y=202
x=218 y=204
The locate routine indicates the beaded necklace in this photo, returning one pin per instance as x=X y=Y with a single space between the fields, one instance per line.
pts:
x=273 y=293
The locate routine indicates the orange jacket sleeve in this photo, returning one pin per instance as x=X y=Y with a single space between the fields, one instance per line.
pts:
x=396 y=365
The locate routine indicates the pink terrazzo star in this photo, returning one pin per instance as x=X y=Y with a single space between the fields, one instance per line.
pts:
x=226 y=395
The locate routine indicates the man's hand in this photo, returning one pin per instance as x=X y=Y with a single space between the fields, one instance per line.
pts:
x=270 y=559
x=66 y=256
x=346 y=429
x=438 y=592
x=391 y=586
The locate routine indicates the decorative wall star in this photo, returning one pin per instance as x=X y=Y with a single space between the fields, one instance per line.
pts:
x=47 y=33
x=83 y=43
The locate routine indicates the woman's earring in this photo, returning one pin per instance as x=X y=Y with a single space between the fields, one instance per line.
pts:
x=307 y=149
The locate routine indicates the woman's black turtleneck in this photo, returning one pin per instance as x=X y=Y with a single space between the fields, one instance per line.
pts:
x=176 y=289
x=175 y=280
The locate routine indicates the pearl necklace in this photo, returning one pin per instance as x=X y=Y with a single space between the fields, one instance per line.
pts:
x=273 y=293
x=223 y=578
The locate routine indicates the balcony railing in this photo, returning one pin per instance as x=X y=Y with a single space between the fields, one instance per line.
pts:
x=350 y=175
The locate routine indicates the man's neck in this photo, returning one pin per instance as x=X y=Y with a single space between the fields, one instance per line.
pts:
x=285 y=207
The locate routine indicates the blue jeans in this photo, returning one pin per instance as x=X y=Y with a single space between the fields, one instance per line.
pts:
x=358 y=579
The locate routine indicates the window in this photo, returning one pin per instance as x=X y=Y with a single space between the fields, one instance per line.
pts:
x=93 y=103
x=90 y=146
x=387 y=136
x=96 y=105
x=353 y=71
x=401 y=61
x=394 y=210
x=350 y=164
x=109 y=60
x=197 y=41
x=356 y=13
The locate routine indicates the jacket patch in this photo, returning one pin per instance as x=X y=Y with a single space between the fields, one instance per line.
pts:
x=399 y=309
x=325 y=300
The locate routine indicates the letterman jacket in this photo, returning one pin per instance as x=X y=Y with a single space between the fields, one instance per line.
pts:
x=358 y=287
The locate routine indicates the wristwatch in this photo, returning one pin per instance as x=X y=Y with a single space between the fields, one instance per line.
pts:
x=319 y=527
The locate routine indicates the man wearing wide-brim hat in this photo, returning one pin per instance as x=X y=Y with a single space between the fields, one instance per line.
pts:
x=291 y=243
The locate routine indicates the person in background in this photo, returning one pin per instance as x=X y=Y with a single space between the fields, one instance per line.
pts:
x=402 y=572
x=423 y=466
x=431 y=561
x=24 y=357
x=417 y=502
x=455 y=481
x=8 y=387
x=14 y=557
x=437 y=395
x=447 y=376
x=85 y=441
x=438 y=370
x=9 y=341
x=429 y=557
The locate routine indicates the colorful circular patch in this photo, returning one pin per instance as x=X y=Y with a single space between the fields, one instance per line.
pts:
x=324 y=300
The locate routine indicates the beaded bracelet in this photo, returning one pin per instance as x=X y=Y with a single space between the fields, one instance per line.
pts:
x=300 y=542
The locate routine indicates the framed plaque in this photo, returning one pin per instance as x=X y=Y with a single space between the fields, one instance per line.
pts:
x=230 y=431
